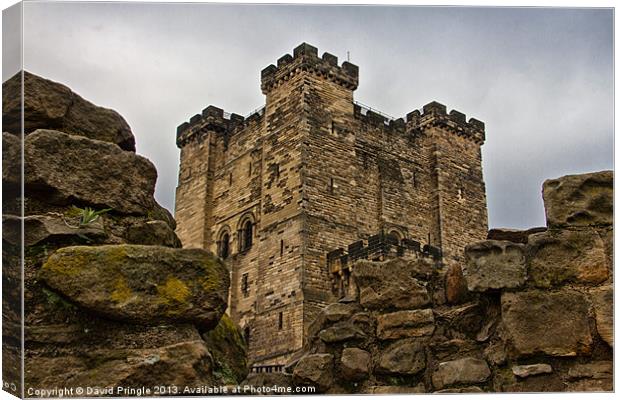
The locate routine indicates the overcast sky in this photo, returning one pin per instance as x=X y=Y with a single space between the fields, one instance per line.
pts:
x=541 y=79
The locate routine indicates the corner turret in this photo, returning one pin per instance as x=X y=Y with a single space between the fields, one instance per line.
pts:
x=435 y=114
x=305 y=58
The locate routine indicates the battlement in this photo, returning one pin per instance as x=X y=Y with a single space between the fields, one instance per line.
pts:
x=435 y=114
x=305 y=58
x=216 y=120
x=375 y=117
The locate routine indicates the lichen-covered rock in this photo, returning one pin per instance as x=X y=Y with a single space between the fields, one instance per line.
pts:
x=141 y=284
x=51 y=105
x=552 y=323
x=404 y=357
x=355 y=364
x=493 y=264
x=404 y=324
x=603 y=302
x=523 y=371
x=566 y=256
x=62 y=169
x=466 y=370
x=315 y=370
x=228 y=349
x=579 y=200
x=396 y=284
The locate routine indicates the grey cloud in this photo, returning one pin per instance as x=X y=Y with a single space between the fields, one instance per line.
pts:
x=541 y=79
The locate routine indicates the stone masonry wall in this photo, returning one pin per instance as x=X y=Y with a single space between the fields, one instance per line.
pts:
x=533 y=314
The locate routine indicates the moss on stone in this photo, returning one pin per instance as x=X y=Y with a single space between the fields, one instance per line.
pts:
x=174 y=290
x=121 y=292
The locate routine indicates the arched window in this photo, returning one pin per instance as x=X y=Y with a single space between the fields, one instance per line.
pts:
x=223 y=244
x=246 y=233
x=394 y=237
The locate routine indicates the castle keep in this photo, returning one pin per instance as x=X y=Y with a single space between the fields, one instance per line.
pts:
x=313 y=177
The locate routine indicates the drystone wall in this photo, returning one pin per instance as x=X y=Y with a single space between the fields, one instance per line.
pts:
x=112 y=302
x=531 y=312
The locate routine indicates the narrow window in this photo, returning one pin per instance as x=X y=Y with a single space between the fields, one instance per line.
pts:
x=230 y=179
x=224 y=246
x=461 y=191
x=245 y=285
x=246 y=334
x=281 y=247
x=246 y=235
x=331 y=185
x=333 y=127
x=250 y=169
x=414 y=179
x=280 y=321
x=277 y=170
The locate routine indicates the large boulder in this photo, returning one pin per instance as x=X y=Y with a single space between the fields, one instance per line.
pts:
x=494 y=264
x=462 y=371
x=50 y=105
x=558 y=257
x=580 y=200
x=11 y=159
x=141 y=284
x=116 y=355
x=62 y=169
x=396 y=284
x=554 y=323
x=228 y=349
x=49 y=227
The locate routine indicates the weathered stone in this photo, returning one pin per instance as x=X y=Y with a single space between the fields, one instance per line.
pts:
x=339 y=311
x=456 y=285
x=593 y=370
x=513 y=235
x=11 y=159
x=90 y=352
x=567 y=256
x=603 y=302
x=523 y=371
x=341 y=332
x=404 y=324
x=579 y=200
x=495 y=353
x=315 y=370
x=494 y=264
x=553 y=323
x=228 y=349
x=396 y=389
x=179 y=364
x=157 y=233
x=462 y=371
x=390 y=284
x=62 y=169
x=354 y=364
x=142 y=284
x=49 y=227
x=405 y=357
x=50 y=105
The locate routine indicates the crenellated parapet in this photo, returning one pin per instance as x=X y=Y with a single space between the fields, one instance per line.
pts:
x=305 y=59
x=213 y=119
x=435 y=114
x=374 y=117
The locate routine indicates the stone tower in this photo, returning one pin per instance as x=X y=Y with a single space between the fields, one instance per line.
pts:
x=313 y=171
